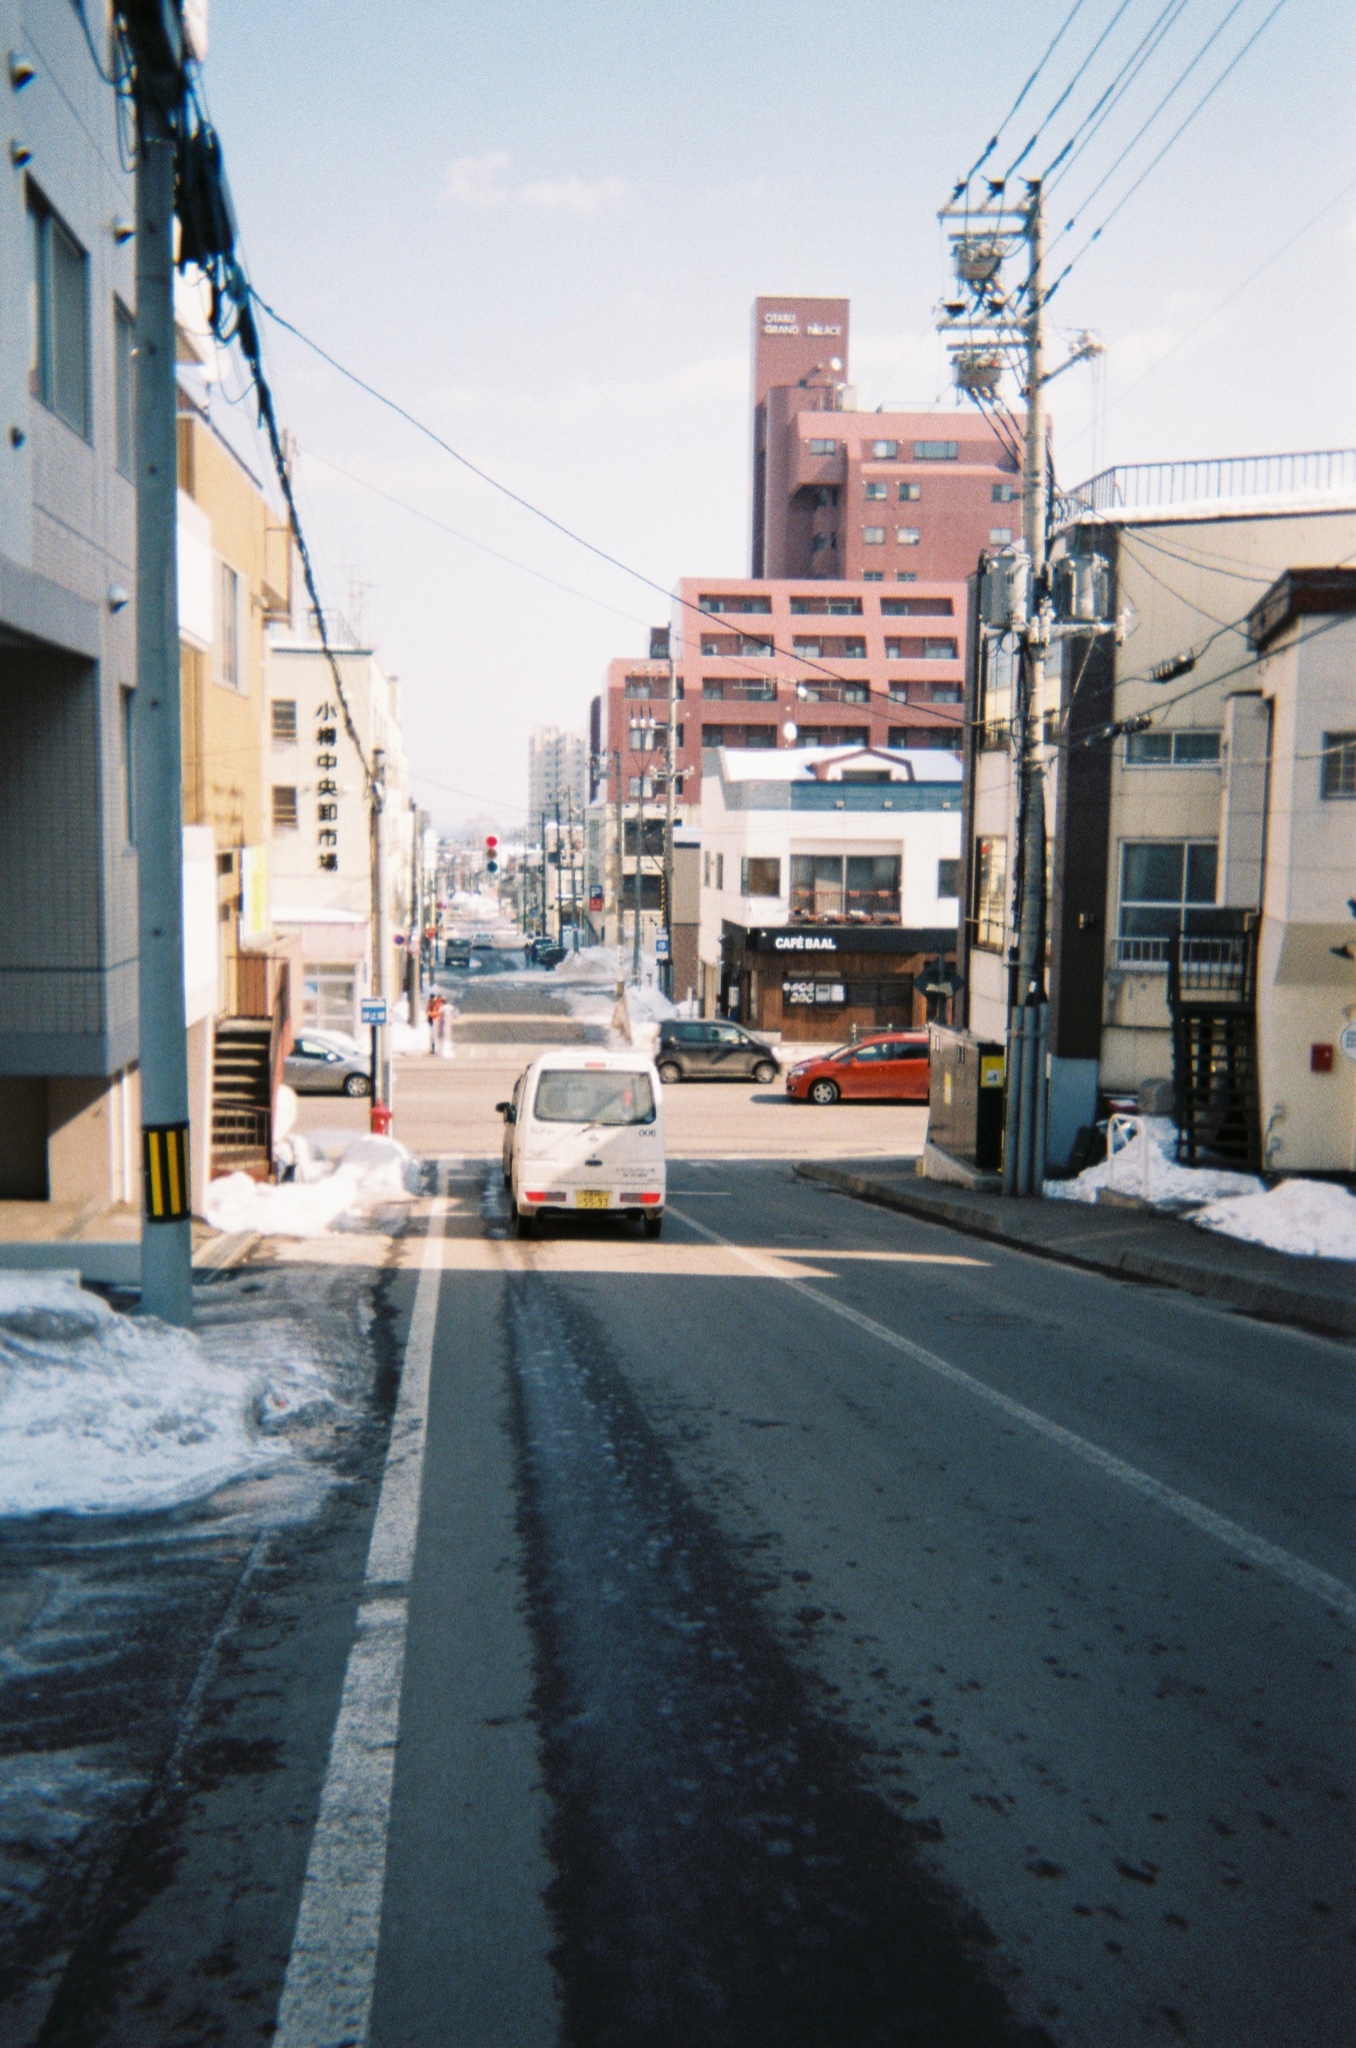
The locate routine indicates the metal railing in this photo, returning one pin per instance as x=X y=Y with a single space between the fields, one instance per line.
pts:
x=1150 y=486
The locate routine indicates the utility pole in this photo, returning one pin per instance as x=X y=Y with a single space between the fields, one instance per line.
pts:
x=1028 y=1011
x=560 y=906
x=166 y=1244
x=620 y=874
x=640 y=847
x=381 y=936
x=670 y=758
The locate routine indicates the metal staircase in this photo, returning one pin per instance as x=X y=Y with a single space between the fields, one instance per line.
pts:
x=1212 y=996
x=242 y=1110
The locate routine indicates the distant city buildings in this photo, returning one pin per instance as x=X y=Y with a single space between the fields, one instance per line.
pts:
x=557 y=774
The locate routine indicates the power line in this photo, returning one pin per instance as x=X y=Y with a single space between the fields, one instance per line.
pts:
x=638 y=575
x=1101 y=111
x=1146 y=125
x=416 y=512
x=1285 y=247
x=1023 y=154
x=1171 y=142
x=1051 y=47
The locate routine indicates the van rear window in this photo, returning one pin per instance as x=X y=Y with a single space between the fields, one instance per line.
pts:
x=567 y=1095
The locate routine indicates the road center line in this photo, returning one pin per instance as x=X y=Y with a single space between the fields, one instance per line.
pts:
x=1306 y=1578
x=327 y=1993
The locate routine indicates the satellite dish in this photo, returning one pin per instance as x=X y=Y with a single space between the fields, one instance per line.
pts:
x=790 y=732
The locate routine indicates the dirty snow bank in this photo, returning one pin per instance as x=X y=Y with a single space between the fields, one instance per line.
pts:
x=1145 y=1165
x=336 y=1174
x=109 y=1414
x=1313 y=1218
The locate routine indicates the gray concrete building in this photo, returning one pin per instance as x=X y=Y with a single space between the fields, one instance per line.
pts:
x=68 y=934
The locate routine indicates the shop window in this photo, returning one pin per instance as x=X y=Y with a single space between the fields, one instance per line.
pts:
x=284 y=715
x=1167 y=887
x=991 y=888
x=948 y=877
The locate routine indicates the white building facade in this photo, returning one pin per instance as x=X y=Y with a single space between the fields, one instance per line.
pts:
x=829 y=886
x=320 y=821
x=557 y=775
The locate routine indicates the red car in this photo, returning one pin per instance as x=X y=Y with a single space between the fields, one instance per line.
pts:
x=887 y=1066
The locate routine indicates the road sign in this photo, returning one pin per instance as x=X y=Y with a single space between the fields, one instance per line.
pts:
x=1346 y=1038
x=661 y=945
x=374 y=1010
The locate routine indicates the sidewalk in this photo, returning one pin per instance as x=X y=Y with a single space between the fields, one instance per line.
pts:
x=1312 y=1294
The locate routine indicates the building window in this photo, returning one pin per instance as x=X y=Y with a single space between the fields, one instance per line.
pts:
x=124 y=357
x=826 y=888
x=991 y=888
x=873 y=536
x=944 y=693
x=127 y=700
x=879 y=489
x=999 y=536
x=1165 y=885
x=873 y=576
x=59 y=374
x=284 y=711
x=909 y=494
x=1339 y=765
x=720 y=870
x=823 y=447
x=916 y=607
x=228 y=626
x=737 y=601
x=284 y=807
x=908 y=536
x=760 y=878
x=906 y=575
x=1003 y=494
x=1172 y=750
x=884 y=451
x=641 y=786
x=831 y=607
x=935 y=451
x=948 y=878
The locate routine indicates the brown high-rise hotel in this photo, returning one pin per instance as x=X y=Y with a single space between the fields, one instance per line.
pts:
x=865 y=526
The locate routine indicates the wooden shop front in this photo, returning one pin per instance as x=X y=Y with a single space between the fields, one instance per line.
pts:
x=826 y=983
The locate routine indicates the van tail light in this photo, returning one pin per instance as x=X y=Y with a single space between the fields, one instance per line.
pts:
x=652 y=1198
x=544 y=1195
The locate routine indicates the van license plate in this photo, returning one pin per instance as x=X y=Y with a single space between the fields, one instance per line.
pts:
x=592 y=1198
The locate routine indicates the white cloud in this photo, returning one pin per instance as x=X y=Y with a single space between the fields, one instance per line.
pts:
x=479 y=181
x=574 y=195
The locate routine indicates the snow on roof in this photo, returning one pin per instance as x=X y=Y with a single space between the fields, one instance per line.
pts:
x=832 y=764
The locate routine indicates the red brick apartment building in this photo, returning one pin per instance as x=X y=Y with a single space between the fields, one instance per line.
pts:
x=865 y=528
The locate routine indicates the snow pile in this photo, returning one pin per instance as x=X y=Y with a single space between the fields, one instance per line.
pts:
x=106 y=1414
x=1141 y=1161
x=336 y=1173
x=1311 y=1217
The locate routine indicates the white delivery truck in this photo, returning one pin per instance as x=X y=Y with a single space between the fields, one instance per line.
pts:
x=585 y=1131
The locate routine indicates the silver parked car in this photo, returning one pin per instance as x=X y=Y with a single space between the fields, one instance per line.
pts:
x=327 y=1063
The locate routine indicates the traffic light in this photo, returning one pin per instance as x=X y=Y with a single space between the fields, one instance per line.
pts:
x=491 y=850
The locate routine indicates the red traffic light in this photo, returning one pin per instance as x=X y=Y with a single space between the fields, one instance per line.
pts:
x=490 y=842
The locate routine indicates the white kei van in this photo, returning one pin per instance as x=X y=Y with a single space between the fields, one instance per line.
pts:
x=585 y=1131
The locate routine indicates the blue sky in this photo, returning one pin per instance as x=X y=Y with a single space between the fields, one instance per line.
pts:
x=542 y=230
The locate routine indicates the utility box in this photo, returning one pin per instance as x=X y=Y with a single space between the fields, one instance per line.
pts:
x=965 y=1098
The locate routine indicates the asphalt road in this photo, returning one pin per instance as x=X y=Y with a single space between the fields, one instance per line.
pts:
x=813 y=1628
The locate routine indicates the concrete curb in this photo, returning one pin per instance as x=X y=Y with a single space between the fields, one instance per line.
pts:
x=1327 y=1315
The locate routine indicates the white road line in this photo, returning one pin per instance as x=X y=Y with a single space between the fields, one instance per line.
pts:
x=327 y=1993
x=1306 y=1578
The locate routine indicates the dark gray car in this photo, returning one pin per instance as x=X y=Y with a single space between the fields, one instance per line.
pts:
x=708 y=1049
x=319 y=1064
